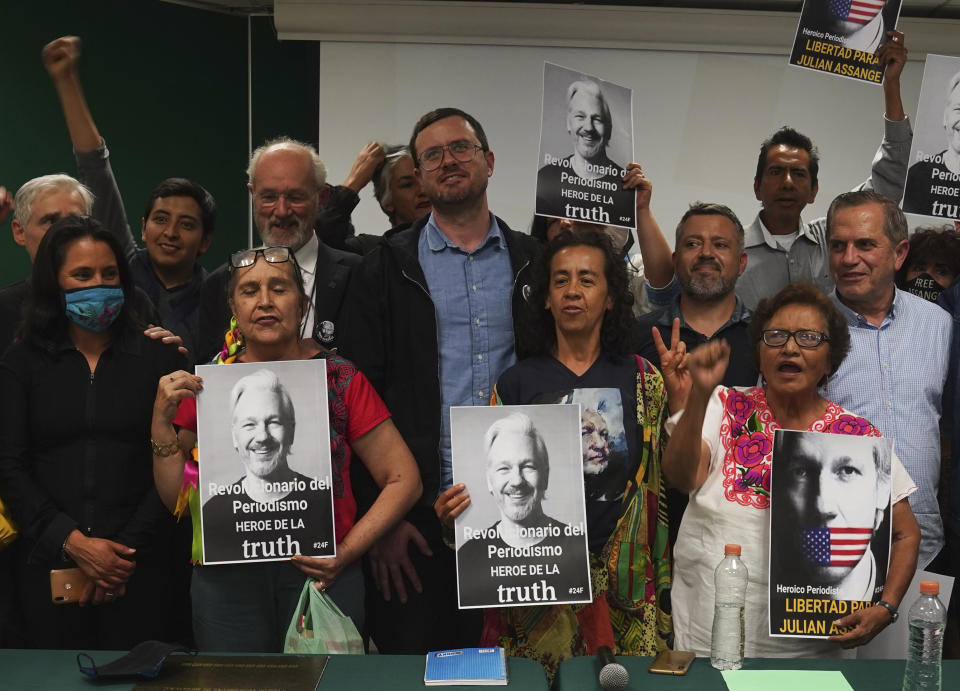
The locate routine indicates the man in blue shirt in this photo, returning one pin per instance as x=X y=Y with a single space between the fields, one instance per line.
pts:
x=900 y=346
x=430 y=320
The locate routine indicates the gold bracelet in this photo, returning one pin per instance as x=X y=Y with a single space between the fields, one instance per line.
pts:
x=164 y=450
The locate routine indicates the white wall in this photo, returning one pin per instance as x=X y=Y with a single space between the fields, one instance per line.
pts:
x=699 y=117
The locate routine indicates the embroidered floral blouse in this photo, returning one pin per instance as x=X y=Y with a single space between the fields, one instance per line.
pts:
x=732 y=507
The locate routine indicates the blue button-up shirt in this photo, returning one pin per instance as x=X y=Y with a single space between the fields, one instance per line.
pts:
x=894 y=377
x=471 y=292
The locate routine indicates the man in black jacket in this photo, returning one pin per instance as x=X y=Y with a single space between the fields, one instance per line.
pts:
x=287 y=181
x=430 y=321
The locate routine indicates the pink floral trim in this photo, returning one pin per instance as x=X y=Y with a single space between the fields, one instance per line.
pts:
x=747 y=430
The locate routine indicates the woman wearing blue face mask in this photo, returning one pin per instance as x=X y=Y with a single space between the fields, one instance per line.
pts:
x=77 y=392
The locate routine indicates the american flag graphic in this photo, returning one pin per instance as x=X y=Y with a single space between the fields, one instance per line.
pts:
x=836 y=546
x=859 y=11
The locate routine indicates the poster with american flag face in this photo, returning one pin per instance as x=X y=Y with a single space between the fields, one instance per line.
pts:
x=830 y=529
x=841 y=37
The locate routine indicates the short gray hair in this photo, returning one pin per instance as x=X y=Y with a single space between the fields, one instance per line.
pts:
x=319 y=170
x=521 y=424
x=383 y=176
x=591 y=87
x=269 y=381
x=894 y=222
x=30 y=190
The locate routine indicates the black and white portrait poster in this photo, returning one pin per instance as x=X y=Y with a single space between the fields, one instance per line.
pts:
x=586 y=140
x=522 y=541
x=265 y=481
x=829 y=529
x=842 y=36
x=933 y=178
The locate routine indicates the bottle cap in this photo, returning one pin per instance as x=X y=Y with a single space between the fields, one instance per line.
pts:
x=929 y=588
x=731 y=549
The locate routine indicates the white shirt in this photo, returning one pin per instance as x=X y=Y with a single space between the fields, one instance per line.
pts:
x=307 y=258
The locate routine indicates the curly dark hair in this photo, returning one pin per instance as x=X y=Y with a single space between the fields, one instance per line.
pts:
x=932 y=245
x=538 y=331
x=803 y=294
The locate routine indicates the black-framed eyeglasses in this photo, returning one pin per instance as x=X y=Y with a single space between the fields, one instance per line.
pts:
x=805 y=338
x=462 y=151
x=275 y=255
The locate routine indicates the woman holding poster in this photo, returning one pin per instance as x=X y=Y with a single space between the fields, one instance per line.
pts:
x=247 y=607
x=581 y=337
x=720 y=453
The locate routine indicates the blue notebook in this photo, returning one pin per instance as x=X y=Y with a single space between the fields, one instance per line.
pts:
x=466 y=667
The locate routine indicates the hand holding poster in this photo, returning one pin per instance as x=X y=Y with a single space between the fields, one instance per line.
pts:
x=842 y=36
x=933 y=179
x=586 y=140
x=265 y=487
x=830 y=531
x=522 y=541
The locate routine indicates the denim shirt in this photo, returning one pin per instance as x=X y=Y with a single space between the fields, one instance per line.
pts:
x=894 y=377
x=471 y=292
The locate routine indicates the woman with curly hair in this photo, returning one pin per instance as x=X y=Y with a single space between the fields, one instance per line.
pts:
x=579 y=334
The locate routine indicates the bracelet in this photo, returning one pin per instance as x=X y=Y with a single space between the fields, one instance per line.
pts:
x=894 y=615
x=164 y=450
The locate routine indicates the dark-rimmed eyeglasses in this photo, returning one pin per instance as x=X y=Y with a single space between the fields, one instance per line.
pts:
x=462 y=151
x=275 y=255
x=805 y=338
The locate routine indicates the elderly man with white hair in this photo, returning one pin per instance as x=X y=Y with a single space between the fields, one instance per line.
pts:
x=287 y=184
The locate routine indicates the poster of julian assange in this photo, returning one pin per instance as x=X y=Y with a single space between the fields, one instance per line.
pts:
x=842 y=36
x=829 y=529
x=522 y=541
x=265 y=482
x=933 y=178
x=586 y=140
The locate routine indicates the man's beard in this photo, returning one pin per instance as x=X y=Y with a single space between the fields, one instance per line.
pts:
x=707 y=288
x=295 y=235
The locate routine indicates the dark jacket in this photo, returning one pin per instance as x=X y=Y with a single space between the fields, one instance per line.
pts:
x=389 y=330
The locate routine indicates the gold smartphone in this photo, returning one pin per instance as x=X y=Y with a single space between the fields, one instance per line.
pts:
x=671 y=662
x=67 y=585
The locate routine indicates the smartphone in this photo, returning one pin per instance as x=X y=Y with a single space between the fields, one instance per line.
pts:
x=67 y=585
x=671 y=662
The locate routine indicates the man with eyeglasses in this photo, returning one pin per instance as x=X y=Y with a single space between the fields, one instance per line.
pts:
x=899 y=346
x=287 y=183
x=431 y=320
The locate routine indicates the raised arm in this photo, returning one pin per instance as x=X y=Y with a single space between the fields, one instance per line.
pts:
x=61 y=59
x=657 y=258
x=889 y=170
x=686 y=460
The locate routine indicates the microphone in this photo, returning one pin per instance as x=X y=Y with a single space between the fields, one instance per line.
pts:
x=613 y=675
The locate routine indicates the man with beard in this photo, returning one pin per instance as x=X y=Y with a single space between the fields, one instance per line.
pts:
x=708 y=258
x=933 y=181
x=518 y=472
x=287 y=183
x=430 y=321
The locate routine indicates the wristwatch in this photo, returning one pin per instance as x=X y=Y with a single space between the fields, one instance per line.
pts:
x=894 y=615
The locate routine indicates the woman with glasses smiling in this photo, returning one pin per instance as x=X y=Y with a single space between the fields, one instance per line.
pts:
x=720 y=452
x=247 y=607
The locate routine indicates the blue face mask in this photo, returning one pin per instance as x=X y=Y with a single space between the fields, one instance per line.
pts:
x=93 y=309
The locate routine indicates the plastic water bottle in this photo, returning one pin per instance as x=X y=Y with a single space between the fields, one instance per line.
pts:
x=730 y=582
x=928 y=617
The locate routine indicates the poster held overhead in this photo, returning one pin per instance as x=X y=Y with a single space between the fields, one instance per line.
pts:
x=830 y=529
x=842 y=36
x=265 y=486
x=522 y=541
x=586 y=141
x=933 y=178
